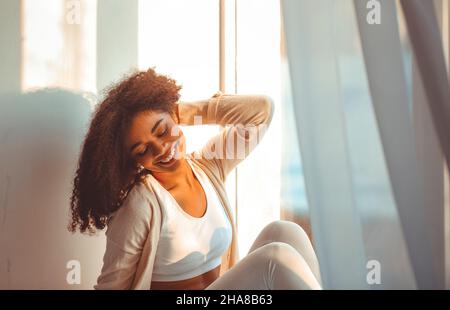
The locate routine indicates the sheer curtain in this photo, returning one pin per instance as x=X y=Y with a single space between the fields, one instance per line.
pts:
x=321 y=131
x=426 y=22
x=361 y=125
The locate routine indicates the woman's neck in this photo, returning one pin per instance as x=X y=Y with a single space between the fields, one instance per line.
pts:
x=183 y=175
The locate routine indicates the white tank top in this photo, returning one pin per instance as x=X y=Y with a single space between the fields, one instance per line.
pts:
x=190 y=246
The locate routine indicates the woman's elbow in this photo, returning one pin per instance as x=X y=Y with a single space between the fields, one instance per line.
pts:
x=267 y=108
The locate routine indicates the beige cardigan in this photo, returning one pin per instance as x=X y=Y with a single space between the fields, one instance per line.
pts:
x=133 y=230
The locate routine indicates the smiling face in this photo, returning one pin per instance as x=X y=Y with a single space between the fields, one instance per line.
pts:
x=155 y=141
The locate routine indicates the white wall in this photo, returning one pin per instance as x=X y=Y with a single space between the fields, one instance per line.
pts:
x=40 y=135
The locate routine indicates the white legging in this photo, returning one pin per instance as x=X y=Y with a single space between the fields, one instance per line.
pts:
x=282 y=257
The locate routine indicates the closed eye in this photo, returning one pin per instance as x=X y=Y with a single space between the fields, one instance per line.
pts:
x=163 y=133
x=143 y=153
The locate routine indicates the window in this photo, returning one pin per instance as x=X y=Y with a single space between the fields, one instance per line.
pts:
x=59 y=39
x=206 y=45
x=258 y=65
x=203 y=43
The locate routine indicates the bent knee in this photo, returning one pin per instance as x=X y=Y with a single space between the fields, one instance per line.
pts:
x=277 y=251
x=284 y=228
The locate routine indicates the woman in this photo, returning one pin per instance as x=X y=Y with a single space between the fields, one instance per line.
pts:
x=168 y=220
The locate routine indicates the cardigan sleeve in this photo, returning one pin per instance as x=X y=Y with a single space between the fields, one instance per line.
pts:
x=245 y=117
x=126 y=233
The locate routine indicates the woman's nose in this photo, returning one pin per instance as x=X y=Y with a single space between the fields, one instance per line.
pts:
x=162 y=147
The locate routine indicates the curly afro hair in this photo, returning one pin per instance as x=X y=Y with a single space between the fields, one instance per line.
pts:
x=102 y=177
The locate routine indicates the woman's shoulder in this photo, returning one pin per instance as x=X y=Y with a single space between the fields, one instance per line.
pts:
x=130 y=225
x=138 y=204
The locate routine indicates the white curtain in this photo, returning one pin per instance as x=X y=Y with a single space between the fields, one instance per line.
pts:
x=423 y=19
x=324 y=149
x=361 y=123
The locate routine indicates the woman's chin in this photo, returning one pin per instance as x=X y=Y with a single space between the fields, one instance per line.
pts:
x=174 y=163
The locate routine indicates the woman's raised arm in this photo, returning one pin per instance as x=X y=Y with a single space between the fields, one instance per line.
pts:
x=246 y=118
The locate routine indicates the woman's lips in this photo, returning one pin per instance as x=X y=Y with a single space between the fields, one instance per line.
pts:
x=171 y=155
